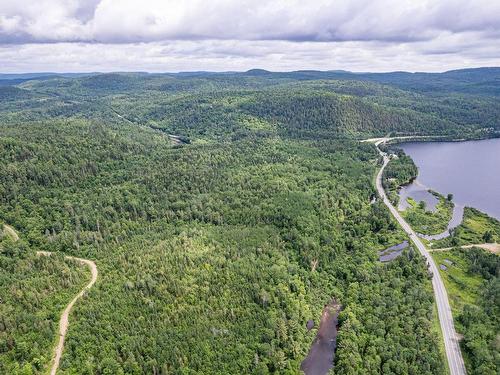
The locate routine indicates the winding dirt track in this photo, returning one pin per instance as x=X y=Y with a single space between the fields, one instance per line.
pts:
x=64 y=321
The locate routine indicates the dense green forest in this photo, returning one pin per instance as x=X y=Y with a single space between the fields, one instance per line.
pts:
x=215 y=251
x=401 y=170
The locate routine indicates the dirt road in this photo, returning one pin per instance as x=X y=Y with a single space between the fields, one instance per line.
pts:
x=491 y=247
x=64 y=321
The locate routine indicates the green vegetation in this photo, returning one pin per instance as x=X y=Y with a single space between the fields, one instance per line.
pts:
x=476 y=228
x=233 y=229
x=214 y=252
x=437 y=332
x=429 y=222
x=473 y=286
x=461 y=285
x=401 y=170
x=396 y=297
x=33 y=292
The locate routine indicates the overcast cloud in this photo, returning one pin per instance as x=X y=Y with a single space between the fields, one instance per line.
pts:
x=165 y=35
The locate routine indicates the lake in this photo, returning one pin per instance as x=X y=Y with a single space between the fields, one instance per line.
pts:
x=469 y=170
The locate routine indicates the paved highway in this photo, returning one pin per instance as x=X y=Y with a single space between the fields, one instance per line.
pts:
x=451 y=342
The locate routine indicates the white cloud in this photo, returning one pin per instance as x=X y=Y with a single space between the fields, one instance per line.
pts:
x=109 y=21
x=229 y=34
x=224 y=55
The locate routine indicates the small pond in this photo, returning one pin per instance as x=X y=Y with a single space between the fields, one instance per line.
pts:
x=392 y=252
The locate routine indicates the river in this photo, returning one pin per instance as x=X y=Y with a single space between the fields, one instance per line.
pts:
x=320 y=358
x=469 y=170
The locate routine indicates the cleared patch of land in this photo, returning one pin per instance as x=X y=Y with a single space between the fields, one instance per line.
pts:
x=11 y=232
x=461 y=286
x=491 y=247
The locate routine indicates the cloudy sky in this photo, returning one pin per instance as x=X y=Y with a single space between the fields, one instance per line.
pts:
x=221 y=35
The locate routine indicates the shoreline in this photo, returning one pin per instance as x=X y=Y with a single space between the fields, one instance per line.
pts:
x=488 y=210
x=440 y=138
x=467 y=200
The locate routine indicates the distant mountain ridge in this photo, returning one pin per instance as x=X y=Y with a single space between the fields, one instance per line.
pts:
x=482 y=81
x=255 y=71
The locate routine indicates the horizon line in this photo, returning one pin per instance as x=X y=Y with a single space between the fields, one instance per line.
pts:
x=340 y=71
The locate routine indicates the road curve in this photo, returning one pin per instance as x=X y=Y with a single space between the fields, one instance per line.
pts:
x=64 y=321
x=451 y=342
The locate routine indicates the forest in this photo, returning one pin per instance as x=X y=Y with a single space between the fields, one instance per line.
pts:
x=400 y=171
x=214 y=251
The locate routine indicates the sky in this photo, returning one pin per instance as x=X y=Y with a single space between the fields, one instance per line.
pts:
x=229 y=35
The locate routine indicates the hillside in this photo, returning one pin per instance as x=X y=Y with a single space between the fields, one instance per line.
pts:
x=215 y=252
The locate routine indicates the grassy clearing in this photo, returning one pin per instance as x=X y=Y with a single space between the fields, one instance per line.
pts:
x=476 y=227
x=462 y=286
x=8 y=231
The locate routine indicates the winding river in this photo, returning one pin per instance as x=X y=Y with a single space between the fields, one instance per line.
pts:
x=469 y=170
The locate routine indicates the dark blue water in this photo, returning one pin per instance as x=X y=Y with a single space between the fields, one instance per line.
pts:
x=469 y=170
x=392 y=252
